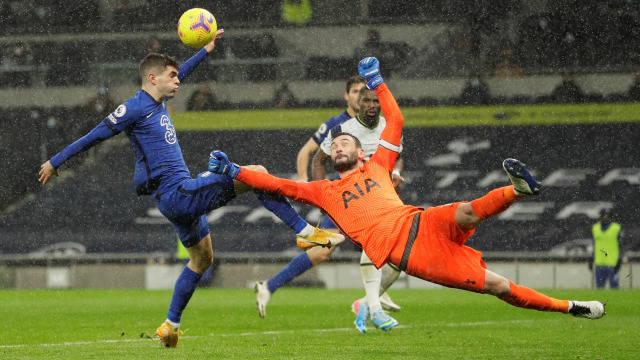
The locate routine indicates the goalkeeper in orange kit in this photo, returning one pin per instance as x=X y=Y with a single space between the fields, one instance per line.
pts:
x=425 y=243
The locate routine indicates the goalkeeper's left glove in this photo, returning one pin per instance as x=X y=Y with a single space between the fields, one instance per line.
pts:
x=369 y=68
x=219 y=164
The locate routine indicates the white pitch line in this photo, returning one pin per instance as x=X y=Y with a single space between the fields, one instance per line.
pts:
x=257 y=333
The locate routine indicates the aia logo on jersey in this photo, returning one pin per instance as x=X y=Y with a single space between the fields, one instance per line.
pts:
x=359 y=192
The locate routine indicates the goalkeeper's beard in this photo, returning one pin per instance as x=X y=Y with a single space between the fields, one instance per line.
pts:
x=346 y=164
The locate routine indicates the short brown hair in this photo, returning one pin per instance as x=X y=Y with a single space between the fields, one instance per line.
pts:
x=355 y=79
x=156 y=61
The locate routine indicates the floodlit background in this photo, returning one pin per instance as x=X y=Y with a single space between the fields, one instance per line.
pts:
x=552 y=83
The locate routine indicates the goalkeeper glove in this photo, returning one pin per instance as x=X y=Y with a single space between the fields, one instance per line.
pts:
x=369 y=68
x=219 y=164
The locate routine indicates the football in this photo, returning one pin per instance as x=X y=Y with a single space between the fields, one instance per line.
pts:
x=197 y=27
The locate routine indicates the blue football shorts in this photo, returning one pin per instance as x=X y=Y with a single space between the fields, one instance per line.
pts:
x=187 y=205
x=326 y=223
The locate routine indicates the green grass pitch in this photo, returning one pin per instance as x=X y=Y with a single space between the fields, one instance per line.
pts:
x=310 y=324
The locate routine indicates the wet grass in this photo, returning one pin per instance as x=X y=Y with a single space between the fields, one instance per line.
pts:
x=310 y=324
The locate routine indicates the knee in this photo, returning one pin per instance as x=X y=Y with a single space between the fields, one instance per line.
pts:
x=498 y=286
x=202 y=262
x=318 y=255
x=466 y=217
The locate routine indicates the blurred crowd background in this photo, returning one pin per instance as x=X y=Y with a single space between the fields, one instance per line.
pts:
x=506 y=38
x=85 y=53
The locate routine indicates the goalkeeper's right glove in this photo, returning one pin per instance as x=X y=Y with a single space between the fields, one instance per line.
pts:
x=219 y=164
x=369 y=68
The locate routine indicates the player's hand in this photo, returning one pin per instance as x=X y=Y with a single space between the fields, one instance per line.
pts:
x=397 y=180
x=46 y=171
x=209 y=47
x=369 y=68
x=219 y=164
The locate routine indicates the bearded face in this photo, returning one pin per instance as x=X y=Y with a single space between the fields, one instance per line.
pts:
x=345 y=161
x=346 y=153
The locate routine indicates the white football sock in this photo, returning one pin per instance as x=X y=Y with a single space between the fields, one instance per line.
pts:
x=307 y=231
x=174 y=326
x=371 y=278
x=389 y=276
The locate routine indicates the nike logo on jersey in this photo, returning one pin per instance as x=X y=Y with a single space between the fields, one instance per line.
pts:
x=348 y=195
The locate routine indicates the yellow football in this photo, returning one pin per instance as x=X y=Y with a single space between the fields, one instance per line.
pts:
x=197 y=27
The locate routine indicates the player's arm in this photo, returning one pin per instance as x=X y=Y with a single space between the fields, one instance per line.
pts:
x=94 y=137
x=188 y=66
x=317 y=166
x=306 y=193
x=324 y=154
x=391 y=138
x=302 y=163
x=396 y=174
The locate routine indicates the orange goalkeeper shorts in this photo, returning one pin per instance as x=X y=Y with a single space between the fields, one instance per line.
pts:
x=439 y=255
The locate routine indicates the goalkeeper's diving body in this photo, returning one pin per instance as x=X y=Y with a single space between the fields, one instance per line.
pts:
x=161 y=172
x=425 y=243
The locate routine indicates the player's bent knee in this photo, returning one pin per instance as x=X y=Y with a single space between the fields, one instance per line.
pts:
x=201 y=264
x=495 y=284
x=466 y=217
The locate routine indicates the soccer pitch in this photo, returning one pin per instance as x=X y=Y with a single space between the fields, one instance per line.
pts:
x=311 y=324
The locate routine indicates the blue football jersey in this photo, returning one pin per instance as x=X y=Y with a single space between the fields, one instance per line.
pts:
x=323 y=130
x=149 y=127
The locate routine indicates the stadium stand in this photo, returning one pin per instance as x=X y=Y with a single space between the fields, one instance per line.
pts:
x=95 y=204
x=441 y=42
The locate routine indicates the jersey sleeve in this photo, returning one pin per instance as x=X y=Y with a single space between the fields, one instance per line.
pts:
x=306 y=193
x=188 y=66
x=94 y=137
x=121 y=118
x=321 y=133
x=391 y=139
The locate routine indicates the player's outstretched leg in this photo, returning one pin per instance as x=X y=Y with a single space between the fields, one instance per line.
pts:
x=305 y=233
x=527 y=298
x=499 y=200
x=587 y=309
x=320 y=237
x=523 y=182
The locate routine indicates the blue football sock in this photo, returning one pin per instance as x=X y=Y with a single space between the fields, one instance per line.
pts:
x=280 y=206
x=297 y=266
x=185 y=286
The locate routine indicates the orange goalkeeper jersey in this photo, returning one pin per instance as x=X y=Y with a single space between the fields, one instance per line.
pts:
x=364 y=204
